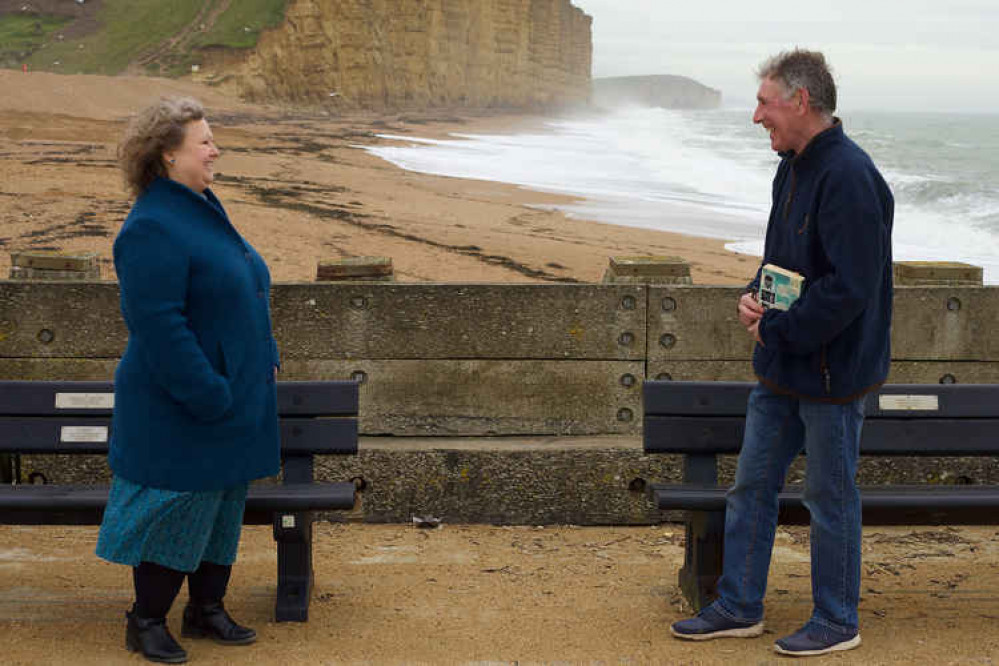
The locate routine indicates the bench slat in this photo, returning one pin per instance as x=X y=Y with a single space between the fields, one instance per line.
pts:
x=730 y=399
x=301 y=497
x=884 y=436
x=306 y=398
x=319 y=398
x=46 y=435
x=319 y=436
x=83 y=505
x=882 y=505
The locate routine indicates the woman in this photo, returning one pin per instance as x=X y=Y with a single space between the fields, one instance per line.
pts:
x=195 y=416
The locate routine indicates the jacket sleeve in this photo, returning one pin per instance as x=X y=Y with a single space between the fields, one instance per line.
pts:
x=754 y=284
x=854 y=236
x=153 y=279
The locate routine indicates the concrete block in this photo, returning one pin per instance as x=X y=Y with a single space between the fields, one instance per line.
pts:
x=55 y=260
x=22 y=273
x=944 y=372
x=937 y=273
x=452 y=321
x=902 y=372
x=696 y=323
x=355 y=268
x=55 y=369
x=60 y=320
x=648 y=270
x=538 y=481
x=946 y=323
x=704 y=371
x=488 y=397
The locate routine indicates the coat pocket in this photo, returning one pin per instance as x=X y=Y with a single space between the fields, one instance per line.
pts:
x=804 y=226
x=225 y=366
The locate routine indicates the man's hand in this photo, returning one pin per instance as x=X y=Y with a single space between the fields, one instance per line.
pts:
x=750 y=312
x=754 y=331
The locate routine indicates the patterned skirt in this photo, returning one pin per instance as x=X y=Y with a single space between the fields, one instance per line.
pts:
x=171 y=528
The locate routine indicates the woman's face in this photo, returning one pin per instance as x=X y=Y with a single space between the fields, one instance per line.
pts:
x=192 y=163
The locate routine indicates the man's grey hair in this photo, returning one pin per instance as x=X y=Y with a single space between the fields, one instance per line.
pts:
x=803 y=70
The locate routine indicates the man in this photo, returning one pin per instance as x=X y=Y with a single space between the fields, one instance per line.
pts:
x=830 y=221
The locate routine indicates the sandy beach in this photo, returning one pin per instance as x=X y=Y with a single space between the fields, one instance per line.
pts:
x=301 y=189
x=477 y=594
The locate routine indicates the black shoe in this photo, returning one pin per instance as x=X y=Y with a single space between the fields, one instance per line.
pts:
x=212 y=621
x=151 y=637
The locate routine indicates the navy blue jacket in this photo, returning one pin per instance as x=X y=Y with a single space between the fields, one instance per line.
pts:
x=195 y=399
x=831 y=221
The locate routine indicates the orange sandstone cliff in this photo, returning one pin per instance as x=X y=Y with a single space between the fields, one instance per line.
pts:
x=414 y=54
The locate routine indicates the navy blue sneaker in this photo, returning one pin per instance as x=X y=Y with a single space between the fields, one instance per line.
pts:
x=813 y=640
x=710 y=624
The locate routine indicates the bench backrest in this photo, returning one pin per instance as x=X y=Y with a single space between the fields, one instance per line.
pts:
x=75 y=417
x=901 y=419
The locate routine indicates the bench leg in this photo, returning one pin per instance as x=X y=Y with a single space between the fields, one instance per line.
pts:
x=10 y=468
x=705 y=542
x=293 y=533
x=702 y=557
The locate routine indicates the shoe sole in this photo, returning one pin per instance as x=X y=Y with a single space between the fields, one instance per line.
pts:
x=838 y=647
x=138 y=650
x=742 y=632
x=198 y=635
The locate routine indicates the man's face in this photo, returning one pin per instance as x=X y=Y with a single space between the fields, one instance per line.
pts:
x=780 y=116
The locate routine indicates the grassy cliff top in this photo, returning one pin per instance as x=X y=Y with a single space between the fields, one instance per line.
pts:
x=139 y=36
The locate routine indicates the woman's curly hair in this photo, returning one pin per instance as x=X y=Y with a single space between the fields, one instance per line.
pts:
x=157 y=129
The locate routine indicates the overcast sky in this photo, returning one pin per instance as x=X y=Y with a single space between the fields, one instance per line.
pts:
x=933 y=55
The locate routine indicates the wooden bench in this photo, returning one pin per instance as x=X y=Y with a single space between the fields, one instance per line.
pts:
x=42 y=417
x=702 y=420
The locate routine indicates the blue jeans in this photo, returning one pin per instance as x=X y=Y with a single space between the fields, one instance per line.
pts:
x=778 y=428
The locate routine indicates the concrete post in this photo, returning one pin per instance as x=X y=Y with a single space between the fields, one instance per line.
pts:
x=55 y=265
x=648 y=270
x=355 y=268
x=46 y=266
x=937 y=274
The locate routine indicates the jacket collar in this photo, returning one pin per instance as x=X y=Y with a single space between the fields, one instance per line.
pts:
x=167 y=185
x=826 y=137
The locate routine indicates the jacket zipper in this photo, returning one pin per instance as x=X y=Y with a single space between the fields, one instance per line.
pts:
x=824 y=368
x=790 y=193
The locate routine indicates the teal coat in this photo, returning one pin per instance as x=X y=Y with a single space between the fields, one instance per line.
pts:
x=195 y=399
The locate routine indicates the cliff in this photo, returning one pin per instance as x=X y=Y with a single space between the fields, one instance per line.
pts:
x=411 y=54
x=670 y=92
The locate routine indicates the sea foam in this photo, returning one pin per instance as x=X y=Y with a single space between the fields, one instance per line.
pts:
x=708 y=173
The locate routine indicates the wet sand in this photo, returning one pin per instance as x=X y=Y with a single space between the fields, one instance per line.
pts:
x=299 y=186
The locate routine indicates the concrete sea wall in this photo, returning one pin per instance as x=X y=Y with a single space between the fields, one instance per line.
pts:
x=505 y=403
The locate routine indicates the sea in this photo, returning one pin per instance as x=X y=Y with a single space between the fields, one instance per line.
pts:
x=708 y=173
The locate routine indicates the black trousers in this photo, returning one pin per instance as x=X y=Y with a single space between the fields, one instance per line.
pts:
x=157 y=586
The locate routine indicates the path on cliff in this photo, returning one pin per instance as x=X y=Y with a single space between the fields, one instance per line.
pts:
x=203 y=22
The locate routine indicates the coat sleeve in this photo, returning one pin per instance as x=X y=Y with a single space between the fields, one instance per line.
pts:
x=152 y=276
x=754 y=284
x=854 y=236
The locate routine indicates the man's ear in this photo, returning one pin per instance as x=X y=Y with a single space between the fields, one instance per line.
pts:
x=803 y=100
